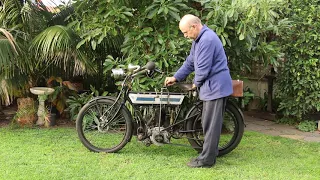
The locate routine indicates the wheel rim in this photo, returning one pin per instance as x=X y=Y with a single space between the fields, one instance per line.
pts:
x=95 y=131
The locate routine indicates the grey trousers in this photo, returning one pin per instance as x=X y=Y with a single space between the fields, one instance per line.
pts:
x=212 y=118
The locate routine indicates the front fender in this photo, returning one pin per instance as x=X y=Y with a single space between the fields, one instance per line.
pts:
x=103 y=97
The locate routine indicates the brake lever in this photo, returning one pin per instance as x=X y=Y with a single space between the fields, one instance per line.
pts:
x=158 y=71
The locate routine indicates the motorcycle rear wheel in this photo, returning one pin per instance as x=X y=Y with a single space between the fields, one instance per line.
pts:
x=231 y=133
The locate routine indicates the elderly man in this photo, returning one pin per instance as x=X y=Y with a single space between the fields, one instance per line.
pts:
x=208 y=60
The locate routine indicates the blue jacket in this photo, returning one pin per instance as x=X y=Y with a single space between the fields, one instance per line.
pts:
x=208 y=60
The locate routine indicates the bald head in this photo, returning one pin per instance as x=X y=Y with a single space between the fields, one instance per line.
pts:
x=189 y=19
x=190 y=26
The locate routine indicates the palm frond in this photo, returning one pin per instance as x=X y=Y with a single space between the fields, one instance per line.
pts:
x=8 y=51
x=8 y=36
x=10 y=12
x=11 y=87
x=57 y=44
x=5 y=92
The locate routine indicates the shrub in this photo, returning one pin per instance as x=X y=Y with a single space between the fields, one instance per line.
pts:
x=247 y=29
x=307 y=126
x=286 y=120
x=298 y=83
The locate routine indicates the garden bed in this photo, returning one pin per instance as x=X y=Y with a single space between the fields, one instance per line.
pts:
x=10 y=111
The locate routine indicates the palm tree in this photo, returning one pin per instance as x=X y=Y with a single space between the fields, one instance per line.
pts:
x=29 y=45
x=34 y=39
x=10 y=49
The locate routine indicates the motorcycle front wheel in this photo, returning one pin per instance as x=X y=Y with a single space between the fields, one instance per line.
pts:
x=103 y=127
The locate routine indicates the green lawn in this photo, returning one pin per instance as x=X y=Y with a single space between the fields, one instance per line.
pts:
x=58 y=154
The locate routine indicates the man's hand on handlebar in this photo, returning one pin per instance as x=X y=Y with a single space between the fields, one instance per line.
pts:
x=170 y=81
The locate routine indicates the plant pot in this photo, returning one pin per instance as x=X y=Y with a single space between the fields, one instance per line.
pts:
x=26 y=120
x=52 y=119
x=26 y=112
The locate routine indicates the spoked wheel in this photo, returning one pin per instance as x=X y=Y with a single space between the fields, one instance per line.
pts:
x=231 y=133
x=103 y=127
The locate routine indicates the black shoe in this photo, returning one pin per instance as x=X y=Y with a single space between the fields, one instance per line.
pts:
x=196 y=163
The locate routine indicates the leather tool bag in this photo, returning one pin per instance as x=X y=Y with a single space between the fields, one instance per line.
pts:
x=237 y=88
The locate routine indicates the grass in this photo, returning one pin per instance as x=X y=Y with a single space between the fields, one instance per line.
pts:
x=58 y=154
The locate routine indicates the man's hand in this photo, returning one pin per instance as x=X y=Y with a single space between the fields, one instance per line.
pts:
x=170 y=81
x=194 y=86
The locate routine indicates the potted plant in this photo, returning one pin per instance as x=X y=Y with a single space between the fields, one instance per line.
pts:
x=26 y=113
x=50 y=118
x=59 y=97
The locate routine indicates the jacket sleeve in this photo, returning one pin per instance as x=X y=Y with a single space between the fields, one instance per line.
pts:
x=204 y=62
x=186 y=68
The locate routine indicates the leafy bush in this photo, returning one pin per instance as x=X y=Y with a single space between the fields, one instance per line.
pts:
x=287 y=120
x=77 y=101
x=248 y=95
x=298 y=82
x=148 y=30
x=307 y=126
x=247 y=29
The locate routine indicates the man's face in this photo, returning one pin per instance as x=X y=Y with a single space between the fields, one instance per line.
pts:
x=189 y=31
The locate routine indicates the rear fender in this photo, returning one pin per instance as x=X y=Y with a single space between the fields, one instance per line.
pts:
x=231 y=103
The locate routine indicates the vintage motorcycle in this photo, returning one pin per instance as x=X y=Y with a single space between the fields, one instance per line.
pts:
x=105 y=123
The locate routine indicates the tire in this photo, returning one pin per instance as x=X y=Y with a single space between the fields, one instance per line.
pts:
x=231 y=133
x=91 y=131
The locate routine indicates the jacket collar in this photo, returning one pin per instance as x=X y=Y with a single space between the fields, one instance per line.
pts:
x=204 y=28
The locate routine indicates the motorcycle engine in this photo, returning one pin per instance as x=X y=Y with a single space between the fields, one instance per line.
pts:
x=158 y=136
